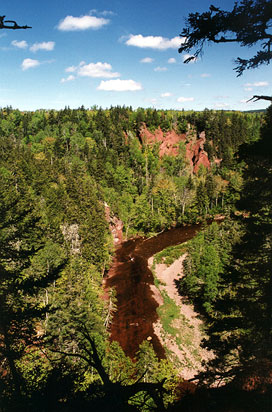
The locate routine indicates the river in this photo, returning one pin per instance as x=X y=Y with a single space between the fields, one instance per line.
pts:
x=130 y=276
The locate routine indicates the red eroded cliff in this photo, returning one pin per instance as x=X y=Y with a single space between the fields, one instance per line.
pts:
x=115 y=226
x=170 y=140
x=195 y=153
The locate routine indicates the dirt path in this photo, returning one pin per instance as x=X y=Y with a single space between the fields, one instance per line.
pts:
x=183 y=344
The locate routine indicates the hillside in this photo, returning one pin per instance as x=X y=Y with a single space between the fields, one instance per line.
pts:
x=76 y=184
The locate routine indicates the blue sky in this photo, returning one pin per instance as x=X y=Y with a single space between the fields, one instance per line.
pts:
x=118 y=52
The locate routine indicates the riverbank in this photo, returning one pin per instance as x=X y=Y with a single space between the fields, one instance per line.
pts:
x=136 y=299
x=179 y=328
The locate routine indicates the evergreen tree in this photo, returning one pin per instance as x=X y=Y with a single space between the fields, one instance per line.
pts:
x=21 y=242
x=241 y=332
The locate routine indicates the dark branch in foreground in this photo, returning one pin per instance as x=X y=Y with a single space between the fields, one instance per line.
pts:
x=11 y=24
x=115 y=390
x=255 y=98
x=248 y=24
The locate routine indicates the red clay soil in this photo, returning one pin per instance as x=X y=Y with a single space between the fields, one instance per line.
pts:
x=169 y=145
x=196 y=155
x=168 y=141
x=130 y=276
x=115 y=225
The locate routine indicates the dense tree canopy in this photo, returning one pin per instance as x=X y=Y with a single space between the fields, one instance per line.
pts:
x=57 y=171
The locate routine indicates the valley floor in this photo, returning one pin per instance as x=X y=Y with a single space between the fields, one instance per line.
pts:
x=179 y=327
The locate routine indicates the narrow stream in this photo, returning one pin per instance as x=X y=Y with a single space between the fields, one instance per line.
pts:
x=130 y=276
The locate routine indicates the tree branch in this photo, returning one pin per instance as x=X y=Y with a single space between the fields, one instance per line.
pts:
x=14 y=26
x=255 y=98
x=223 y=40
x=73 y=355
x=246 y=25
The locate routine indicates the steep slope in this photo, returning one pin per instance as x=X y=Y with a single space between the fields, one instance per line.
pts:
x=169 y=145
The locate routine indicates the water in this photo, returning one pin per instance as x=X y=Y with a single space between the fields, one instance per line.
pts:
x=130 y=276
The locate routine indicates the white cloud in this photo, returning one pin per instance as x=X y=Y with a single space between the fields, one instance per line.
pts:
x=160 y=69
x=71 y=69
x=102 y=13
x=154 y=42
x=166 y=94
x=119 y=85
x=71 y=23
x=185 y=99
x=97 y=70
x=257 y=84
x=248 y=89
x=68 y=79
x=188 y=56
x=147 y=60
x=205 y=75
x=46 y=45
x=29 y=63
x=172 y=60
x=20 y=44
x=107 y=13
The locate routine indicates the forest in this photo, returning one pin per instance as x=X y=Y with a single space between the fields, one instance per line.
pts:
x=154 y=170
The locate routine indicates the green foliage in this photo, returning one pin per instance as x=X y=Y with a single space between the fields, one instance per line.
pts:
x=170 y=254
x=151 y=369
x=35 y=369
x=240 y=328
x=57 y=170
x=168 y=312
x=120 y=367
x=208 y=253
x=103 y=147
x=27 y=266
